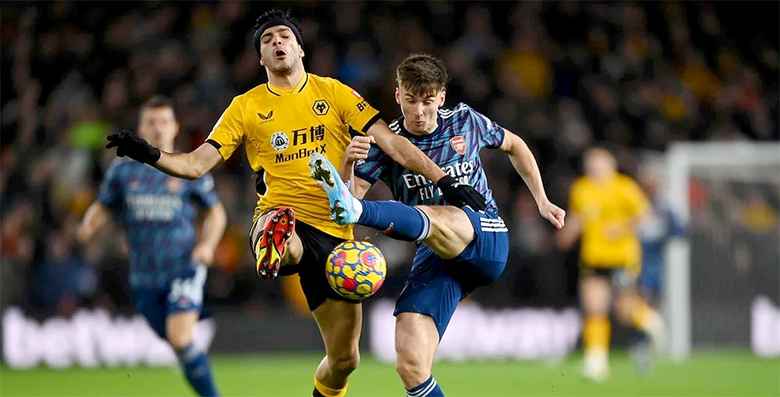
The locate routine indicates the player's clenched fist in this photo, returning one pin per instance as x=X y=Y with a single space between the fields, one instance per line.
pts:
x=554 y=214
x=358 y=148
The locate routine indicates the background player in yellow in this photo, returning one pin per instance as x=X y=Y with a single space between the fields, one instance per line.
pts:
x=281 y=123
x=606 y=208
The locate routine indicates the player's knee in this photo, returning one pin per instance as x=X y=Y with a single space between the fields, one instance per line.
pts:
x=595 y=297
x=624 y=306
x=433 y=215
x=345 y=363
x=179 y=340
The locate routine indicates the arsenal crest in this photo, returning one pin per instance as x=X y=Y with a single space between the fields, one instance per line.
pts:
x=458 y=144
x=174 y=184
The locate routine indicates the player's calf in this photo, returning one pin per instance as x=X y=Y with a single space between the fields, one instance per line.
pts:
x=411 y=369
x=193 y=361
x=340 y=324
x=416 y=340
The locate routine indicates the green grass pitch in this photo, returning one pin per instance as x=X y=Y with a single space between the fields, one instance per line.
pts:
x=732 y=374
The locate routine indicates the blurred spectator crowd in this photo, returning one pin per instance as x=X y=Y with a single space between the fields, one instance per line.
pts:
x=564 y=76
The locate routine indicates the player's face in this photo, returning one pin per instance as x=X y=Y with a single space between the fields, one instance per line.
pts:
x=420 y=110
x=599 y=164
x=279 y=50
x=158 y=126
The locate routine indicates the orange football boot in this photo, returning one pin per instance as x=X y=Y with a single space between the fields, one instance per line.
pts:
x=272 y=244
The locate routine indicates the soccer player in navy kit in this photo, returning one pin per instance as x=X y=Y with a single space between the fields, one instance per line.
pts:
x=168 y=265
x=460 y=249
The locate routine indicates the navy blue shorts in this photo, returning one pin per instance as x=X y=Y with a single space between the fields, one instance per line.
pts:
x=435 y=286
x=182 y=294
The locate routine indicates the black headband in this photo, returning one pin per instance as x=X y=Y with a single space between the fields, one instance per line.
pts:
x=276 y=22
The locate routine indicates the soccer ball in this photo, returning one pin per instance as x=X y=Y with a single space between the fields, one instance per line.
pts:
x=356 y=269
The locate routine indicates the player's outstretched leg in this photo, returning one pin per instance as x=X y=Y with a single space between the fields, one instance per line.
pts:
x=400 y=221
x=340 y=323
x=193 y=361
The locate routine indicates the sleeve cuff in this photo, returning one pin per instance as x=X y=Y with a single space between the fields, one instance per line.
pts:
x=218 y=146
x=214 y=143
x=371 y=122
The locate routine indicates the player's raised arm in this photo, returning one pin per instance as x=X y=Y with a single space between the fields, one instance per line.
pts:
x=226 y=135
x=525 y=164
x=190 y=165
x=412 y=158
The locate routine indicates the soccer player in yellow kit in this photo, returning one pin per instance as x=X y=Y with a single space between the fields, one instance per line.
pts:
x=606 y=208
x=281 y=124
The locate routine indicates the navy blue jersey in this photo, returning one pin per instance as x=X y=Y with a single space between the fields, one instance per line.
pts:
x=455 y=145
x=157 y=212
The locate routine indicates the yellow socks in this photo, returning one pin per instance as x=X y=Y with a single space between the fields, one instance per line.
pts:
x=596 y=341
x=644 y=318
x=596 y=333
x=329 y=391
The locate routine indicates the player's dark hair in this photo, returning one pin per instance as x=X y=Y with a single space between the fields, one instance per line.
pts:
x=275 y=17
x=158 y=101
x=422 y=74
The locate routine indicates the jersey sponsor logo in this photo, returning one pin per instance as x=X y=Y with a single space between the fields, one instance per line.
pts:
x=320 y=107
x=302 y=136
x=153 y=207
x=301 y=153
x=361 y=106
x=458 y=144
x=266 y=117
x=460 y=171
x=279 y=141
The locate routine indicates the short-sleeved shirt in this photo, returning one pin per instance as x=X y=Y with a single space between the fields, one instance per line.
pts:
x=158 y=213
x=282 y=128
x=461 y=134
x=603 y=205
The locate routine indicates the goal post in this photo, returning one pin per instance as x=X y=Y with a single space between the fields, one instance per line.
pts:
x=736 y=161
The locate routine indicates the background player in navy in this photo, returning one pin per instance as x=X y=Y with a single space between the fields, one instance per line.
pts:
x=462 y=248
x=168 y=265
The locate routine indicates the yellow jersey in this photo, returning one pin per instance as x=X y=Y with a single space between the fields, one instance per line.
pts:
x=281 y=128
x=600 y=206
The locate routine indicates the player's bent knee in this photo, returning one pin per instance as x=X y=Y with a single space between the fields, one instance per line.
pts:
x=450 y=230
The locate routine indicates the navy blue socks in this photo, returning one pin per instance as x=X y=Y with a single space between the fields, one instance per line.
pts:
x=398 y=220
x=429 y=388
x=197 y=370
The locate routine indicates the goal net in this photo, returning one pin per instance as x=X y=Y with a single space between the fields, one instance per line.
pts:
x=723 y=276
